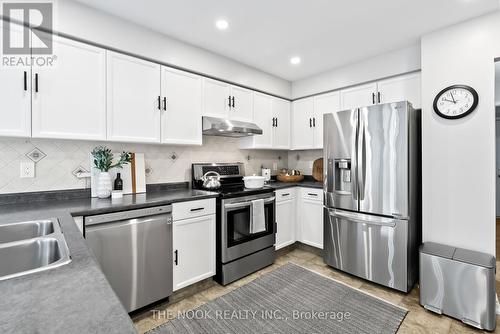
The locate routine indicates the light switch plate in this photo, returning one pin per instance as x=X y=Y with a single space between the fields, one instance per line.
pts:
x=27 y=169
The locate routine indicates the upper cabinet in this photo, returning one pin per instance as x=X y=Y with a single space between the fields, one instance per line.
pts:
x=134 y=99
x=15 y=94
x=69 y=98
x=307 y=119
x=400 y=88
x=303 y=124
x=227 y=101
x=272 y=115
x=358 y=96
x=326 y=103
x=181 y=107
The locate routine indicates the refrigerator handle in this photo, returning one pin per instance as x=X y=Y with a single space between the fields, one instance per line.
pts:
x=364 y=219
x=354 y=165
x=362 y=161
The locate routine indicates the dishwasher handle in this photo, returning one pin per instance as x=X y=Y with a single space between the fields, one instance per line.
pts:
x=127 y=215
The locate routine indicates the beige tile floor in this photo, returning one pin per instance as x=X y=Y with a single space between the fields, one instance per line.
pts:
x=418 y=320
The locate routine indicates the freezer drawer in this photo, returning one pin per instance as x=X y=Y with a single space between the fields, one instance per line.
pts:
x=371 y=247
x=459 y=283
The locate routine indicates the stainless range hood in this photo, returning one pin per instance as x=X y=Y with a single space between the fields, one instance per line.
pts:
x=213 y=126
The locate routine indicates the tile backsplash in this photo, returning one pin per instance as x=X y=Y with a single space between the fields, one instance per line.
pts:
x=164 y=163
x=303 y=160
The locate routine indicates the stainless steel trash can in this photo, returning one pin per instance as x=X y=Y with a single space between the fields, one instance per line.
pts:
x=459 y=283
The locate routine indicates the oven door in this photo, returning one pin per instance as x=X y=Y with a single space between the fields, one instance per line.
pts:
x=237 y=239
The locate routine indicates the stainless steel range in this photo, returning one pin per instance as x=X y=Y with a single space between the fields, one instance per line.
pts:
x=246 y=222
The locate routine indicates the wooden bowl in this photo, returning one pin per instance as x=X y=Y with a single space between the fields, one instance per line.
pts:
x=290 y=178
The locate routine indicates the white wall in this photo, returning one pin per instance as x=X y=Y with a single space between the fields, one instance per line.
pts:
x=497 y=83
x=459 y=156
x=388 y=64
x=89 y=24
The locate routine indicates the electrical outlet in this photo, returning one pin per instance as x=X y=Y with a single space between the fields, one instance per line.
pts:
x=27 y=169
x=275 y=166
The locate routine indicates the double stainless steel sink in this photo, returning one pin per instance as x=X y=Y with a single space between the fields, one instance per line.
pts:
x=30 y=247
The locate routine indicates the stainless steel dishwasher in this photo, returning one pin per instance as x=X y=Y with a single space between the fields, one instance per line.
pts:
x=134 y=249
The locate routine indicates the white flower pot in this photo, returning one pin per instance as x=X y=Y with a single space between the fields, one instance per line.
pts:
x=104 y=186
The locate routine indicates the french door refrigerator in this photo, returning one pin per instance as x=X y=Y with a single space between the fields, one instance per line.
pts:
x=372 y=193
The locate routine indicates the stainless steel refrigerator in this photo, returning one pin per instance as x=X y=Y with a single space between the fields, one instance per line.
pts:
x=372 y=217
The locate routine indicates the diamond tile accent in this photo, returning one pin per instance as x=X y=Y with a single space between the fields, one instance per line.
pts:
x=79 y=170
x=56 y=161
x=36 y=155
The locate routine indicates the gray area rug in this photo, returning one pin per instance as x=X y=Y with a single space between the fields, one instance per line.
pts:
x=290 y=299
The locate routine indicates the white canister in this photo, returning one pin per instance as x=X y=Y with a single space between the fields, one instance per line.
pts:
x=266 y=172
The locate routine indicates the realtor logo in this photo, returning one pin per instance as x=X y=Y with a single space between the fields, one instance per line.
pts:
x=16 y=39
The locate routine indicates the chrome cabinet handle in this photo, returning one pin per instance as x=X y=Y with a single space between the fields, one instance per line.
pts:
x=311 y=194
x=36 y=82
x=159 y=102
x=176 y=260
x=25 y=80
x=229 y=100
x=165 y=103
x=233 y=102
x=197 y=209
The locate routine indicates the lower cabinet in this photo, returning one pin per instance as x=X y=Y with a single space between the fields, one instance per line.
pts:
x=285 y=217
x=299 y=216
x=311 y=217
x=194 y=250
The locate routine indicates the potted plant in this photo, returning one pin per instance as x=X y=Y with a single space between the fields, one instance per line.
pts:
x=103 y=161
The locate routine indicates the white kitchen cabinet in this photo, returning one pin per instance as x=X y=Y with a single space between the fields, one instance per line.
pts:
x=15 y=93
x=302 y=124
x=400 y=88
x=285 y=217
x=281 y=111
x=311 y=217
x=133 y=99
x=216 y=98
x=325 y=103
x=69 y=98
x=194 y=250
x=181 y=107
x=241 y=104
x=272 y=115
x=359 y=96
x=227 y=101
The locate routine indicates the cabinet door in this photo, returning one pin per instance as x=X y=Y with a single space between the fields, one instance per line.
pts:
x=311 y=222
x=133 y=99
x=302 y=129
x=401 y=88
x=216 y=98
x=69 y=98
x=285 y=219
x=181 y=107
x=281 y=110
x=194 y=250
x=358 y=96
x=263 y=117
x=242 y=108
x=15 y=92
x=323 y=104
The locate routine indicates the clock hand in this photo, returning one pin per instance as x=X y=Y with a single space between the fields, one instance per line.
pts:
x=448 y=101
x=451 y=94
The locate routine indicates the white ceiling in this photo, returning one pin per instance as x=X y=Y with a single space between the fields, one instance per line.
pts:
x=325 y=33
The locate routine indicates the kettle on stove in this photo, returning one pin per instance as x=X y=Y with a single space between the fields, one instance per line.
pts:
x=211 y=180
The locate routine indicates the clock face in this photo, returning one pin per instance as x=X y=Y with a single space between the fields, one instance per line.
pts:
x=455 y=101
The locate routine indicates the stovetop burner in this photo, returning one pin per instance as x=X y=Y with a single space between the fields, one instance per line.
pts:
x=232 y=184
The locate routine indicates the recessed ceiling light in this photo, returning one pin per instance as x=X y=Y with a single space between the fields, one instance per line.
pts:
x=221 y=24
x=295 y=60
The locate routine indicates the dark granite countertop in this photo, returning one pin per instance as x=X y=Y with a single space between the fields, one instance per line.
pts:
x=306 y=183
x=74 y=298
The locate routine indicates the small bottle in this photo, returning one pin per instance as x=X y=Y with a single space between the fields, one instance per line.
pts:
x=118 y=182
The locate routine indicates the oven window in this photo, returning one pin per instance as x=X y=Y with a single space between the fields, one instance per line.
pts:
x=239 y=221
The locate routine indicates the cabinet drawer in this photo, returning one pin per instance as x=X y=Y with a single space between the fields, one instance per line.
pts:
x=192 y=209
x=284 y=194
x=312 y=193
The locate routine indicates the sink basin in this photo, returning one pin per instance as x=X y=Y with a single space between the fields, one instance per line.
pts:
x=25 y=230
x=31 y=247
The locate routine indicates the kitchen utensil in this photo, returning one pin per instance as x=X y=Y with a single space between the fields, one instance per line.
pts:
x=211 y=180
x=317 y=172
x=266 y=172
x=254 y=182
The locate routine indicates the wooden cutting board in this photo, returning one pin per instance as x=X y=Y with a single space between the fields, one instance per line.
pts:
x=318 y=170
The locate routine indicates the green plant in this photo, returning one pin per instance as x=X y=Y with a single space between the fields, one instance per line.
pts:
x=103 y=158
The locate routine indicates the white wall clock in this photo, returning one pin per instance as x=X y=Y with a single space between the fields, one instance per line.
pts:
x=456 y=101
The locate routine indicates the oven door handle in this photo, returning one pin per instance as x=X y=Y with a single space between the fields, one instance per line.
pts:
x=246 y=203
